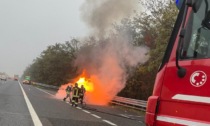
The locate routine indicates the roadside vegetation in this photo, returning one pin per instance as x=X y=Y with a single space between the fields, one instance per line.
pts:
x=151 y=28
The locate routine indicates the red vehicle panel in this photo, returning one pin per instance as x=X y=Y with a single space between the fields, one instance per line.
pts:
x=184 y=99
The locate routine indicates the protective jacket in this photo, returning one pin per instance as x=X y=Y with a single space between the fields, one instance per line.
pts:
x=75 y=92
x=68 y=90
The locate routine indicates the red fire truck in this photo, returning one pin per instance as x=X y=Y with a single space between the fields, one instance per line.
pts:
x=181 y=94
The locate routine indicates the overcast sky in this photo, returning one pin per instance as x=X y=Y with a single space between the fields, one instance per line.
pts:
x=27 y=27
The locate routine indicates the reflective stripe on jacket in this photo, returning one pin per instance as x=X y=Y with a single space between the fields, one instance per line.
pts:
x=75 y=92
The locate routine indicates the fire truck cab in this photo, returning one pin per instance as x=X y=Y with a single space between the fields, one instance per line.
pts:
x=181 y=94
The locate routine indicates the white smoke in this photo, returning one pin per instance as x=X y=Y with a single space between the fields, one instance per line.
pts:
x=107 y=62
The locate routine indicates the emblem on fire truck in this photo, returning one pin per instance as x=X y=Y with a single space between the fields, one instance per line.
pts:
x=198 y=78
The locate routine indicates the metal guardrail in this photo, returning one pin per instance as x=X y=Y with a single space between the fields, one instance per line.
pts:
x=122 y=101
x=46 y=85
x=131 y=103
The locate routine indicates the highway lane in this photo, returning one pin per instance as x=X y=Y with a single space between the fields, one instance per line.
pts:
x=106 y=113
x=55 y=112
x=13 y=109
x=109 y=111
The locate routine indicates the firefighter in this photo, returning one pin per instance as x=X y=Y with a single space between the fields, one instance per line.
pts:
x=75 y=95
x=81 y=93
x=68 y=93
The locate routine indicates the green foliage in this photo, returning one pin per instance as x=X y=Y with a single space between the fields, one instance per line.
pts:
x=155 y=30
x=151 y=28
x=55 y=65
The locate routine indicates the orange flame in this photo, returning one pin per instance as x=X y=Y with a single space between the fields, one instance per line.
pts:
x=97 y=91
x=87 y=84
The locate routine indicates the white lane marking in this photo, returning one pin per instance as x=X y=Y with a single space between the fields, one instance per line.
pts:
x=192 y=98
x=109 y=122
x=50 y=94
x=79 y=108
x=124 y=115
x=85 y=111
x=140 y=121
x=34 y=116
x=46 y=92
x=82 y=110
x=53 y=95
x=181 y=121
x=130 y=115
x=96 y=116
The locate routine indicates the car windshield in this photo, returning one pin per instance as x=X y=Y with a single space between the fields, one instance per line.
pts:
x=197 y=40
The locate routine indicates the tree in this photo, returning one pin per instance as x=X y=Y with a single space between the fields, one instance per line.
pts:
x=154 y=28
x=55 y=65
x=151 y=28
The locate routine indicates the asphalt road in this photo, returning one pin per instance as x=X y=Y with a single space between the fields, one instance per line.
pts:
x=31 y=106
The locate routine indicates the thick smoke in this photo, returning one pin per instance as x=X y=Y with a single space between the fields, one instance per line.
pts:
x=106 y=63
x=101 y=14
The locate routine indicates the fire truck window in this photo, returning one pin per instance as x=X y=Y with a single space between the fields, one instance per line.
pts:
x=196 y=43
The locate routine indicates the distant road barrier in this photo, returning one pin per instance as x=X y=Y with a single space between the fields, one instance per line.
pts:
x=46 y=85
x=122 y=101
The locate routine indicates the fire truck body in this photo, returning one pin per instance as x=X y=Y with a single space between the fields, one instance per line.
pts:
x=181 y=94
